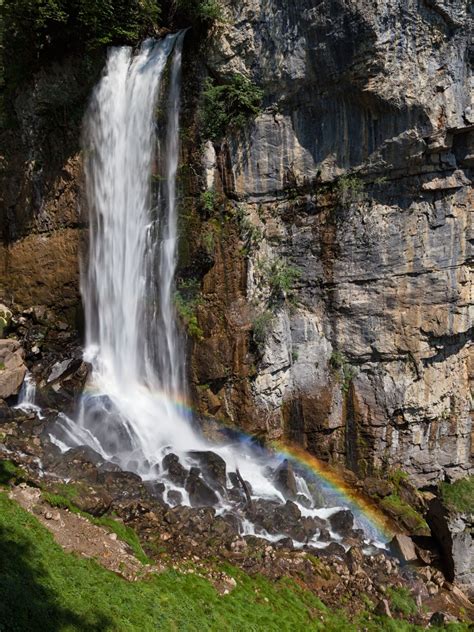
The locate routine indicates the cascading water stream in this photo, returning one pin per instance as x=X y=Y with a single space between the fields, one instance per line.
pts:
x=129 y=411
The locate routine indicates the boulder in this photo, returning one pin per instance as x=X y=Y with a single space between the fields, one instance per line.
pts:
x=404 y=548
x=342 y=522
x=212 y=465
x=200 y=494
x=5 y=318
x=176 y=472
x=454 y=532
x=377 y=487
x=174 y=497
x=285 y=481
x=12 y=368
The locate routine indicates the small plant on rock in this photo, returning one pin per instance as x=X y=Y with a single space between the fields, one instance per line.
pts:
x=279 y=277
x=261 y=328
x=186 y=301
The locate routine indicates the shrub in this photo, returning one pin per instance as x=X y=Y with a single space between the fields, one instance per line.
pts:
x=339 y=362
x=36 y=31
x=261 y=327
x=349 y=185
x=279 y=276
x=208 y=201
x=228 y=107
x=201 y=10
x=459 y=495
x=402 y=601
x=186 y=301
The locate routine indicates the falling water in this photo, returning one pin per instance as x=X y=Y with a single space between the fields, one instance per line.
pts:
x=131 y=340
x=129 y=411
x=27 y=396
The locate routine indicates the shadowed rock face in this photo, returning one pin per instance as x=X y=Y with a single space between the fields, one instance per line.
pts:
x=369 y=364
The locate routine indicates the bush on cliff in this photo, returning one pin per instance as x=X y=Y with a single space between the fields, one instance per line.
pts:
x=228 y=107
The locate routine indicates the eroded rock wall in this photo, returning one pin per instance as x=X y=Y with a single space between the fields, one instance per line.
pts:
x=40 y=184
x=357 y=173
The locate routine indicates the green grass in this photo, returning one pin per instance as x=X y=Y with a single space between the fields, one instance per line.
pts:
x=401 y=601
x=45 y=589
x=398 y=507
x=459 y=495
x=10 y=473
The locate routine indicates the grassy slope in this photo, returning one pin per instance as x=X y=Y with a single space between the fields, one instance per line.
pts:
x=42 y=588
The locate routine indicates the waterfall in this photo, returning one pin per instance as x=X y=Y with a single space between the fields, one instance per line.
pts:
x=131 y=337
x=130 y=411
x=27 y=396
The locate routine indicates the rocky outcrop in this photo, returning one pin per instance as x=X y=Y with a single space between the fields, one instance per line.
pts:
x=358 y=175
x=12 y=368
x=454 y=531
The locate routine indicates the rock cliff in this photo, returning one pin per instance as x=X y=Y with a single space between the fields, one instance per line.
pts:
x=357 y=178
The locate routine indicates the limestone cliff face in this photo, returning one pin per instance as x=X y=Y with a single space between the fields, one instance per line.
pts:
x=358 y=174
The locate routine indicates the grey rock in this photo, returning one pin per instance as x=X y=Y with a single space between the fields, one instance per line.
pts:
x=176 y=472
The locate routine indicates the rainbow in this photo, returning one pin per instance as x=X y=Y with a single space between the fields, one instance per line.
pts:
x=361 y=506
x=332 y=481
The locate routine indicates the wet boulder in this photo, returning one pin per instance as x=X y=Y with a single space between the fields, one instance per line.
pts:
x=200 y=494
x=79 y=464
x=175 y=471
x=174 y=497
x=155 y=489
x=285 y=480
x=332 y=549
x=212 y=465
x=304 y=501
x=261 y=513
x=124 y=486
x=342 y=522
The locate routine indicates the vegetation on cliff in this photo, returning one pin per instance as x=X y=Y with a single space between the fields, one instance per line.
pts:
x=229 y=106
x=459 y=496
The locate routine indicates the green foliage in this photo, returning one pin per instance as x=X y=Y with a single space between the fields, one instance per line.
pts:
x=11 y=473
x=459 y=496
x=401 y=601
x=36 y=31
x=337 y=360
x=201 y=10
x=339 y=363
x=279 y=277
x=250 y=234
x=228 y=107
x=398 y=508
x=2 y=364
x=261 y=327
x=349 y=185
x=398 y=477
x=186 y=301
x=208 y=239
x=208 y=201
x=70 y=593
